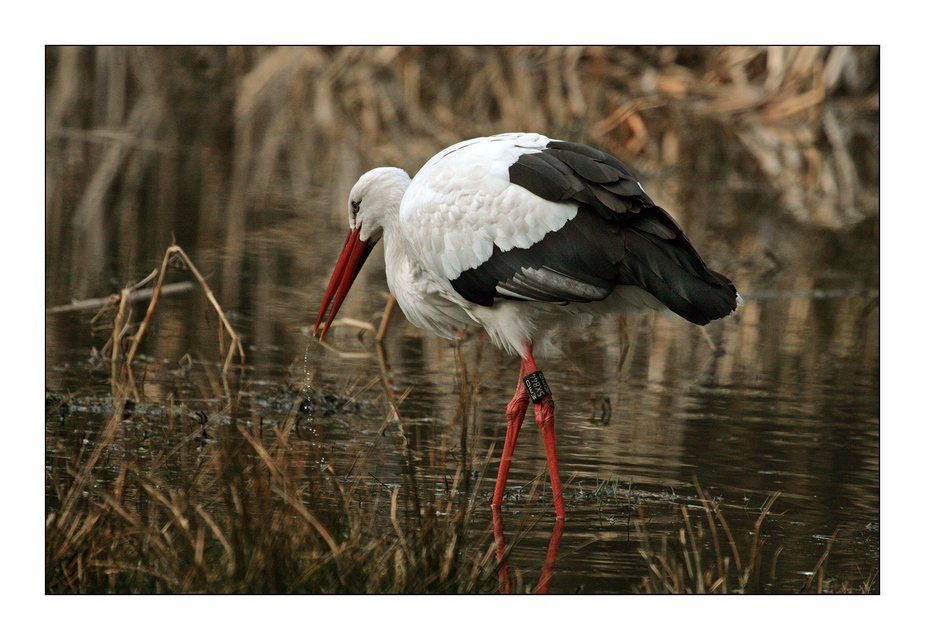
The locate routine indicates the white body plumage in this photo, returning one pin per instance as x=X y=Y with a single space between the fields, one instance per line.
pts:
x=467 y=216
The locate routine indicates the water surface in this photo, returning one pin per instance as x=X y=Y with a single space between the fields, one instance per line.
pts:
x=786 y=400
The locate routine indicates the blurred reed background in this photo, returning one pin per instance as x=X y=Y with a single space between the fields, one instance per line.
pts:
x=206 y=144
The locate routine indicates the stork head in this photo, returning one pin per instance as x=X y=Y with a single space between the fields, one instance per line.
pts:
x=374 y=201
x=373 y=204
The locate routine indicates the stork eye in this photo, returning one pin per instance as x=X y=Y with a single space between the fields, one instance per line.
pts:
x=354 y=207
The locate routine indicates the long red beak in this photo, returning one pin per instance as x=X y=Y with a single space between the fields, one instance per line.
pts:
x=352 y=257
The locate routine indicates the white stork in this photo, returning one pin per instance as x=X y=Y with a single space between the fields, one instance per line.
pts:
x=521 y=235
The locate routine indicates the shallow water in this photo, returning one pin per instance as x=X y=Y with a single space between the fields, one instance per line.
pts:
x=788 y=401
x=743 y=425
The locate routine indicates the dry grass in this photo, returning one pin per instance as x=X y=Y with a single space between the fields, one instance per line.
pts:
x=696 y=563
x=246 y=509
x=239 y=500
x=711 y=560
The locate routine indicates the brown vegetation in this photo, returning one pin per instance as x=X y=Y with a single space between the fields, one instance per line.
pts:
x=210 y=142
x=250 y=510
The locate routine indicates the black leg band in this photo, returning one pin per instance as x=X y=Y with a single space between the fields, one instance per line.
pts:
x=536 y=386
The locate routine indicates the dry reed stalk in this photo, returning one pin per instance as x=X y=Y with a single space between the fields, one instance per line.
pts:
x=720 y=567
x=175 y=250
x=119 y=327
x=312 y=520
x=687 y=570
x=818 y=571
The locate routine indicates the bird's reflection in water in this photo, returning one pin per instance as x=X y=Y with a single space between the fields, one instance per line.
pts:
x=504 y=574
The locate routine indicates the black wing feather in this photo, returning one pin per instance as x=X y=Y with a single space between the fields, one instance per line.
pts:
x=618 y=237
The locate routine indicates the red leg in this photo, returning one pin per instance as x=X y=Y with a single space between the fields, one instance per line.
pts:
x=516 y=410
x=545 y=418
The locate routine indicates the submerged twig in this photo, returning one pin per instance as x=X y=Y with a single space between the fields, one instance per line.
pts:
x=134 y=295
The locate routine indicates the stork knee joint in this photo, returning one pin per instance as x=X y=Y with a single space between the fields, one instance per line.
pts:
x=536 y=386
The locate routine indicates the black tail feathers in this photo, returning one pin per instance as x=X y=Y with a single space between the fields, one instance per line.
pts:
x=674 y=273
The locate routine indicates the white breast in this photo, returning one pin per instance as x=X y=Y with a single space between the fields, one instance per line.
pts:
x=462 y=202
